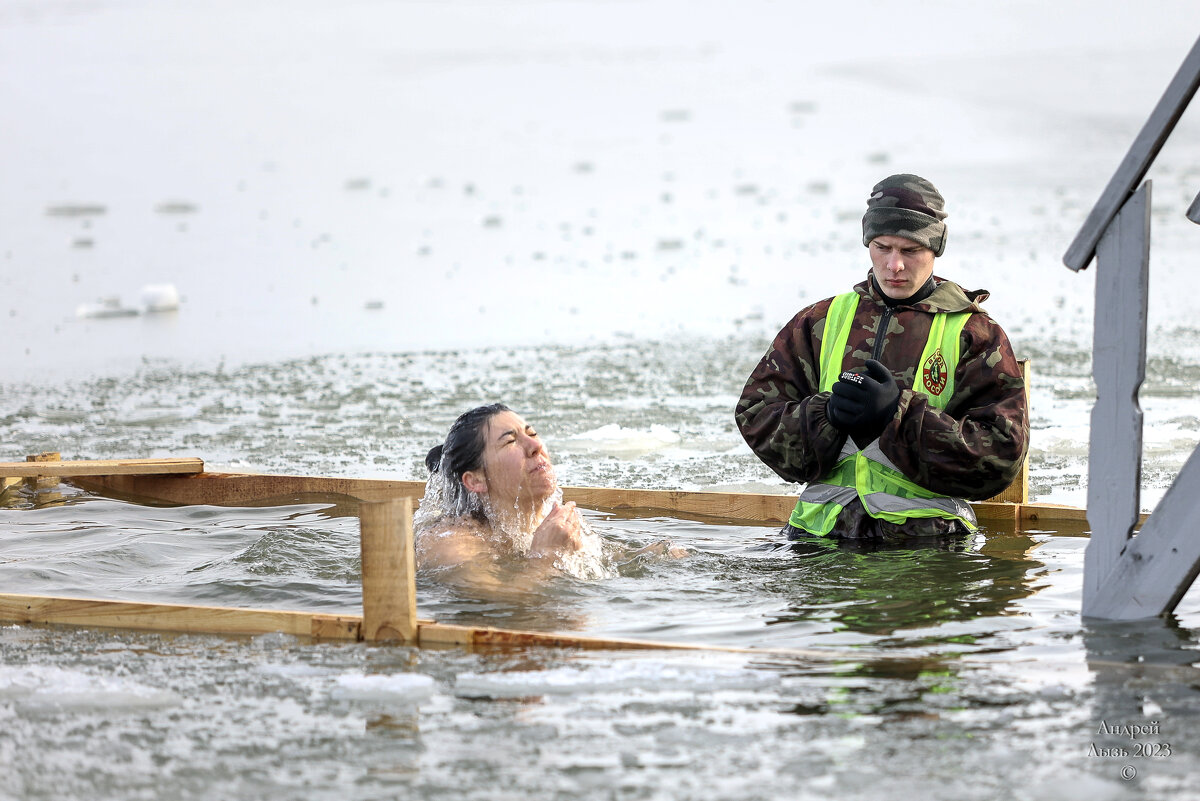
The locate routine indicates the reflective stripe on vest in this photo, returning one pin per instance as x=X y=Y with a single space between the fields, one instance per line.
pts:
x=867 y=474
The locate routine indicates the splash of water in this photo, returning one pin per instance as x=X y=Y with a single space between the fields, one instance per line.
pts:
x=510 y=530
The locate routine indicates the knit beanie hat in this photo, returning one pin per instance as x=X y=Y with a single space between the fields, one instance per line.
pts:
x=907 y=206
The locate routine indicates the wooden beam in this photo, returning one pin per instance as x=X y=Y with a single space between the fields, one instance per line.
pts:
x=245 y=489
x=445 y=634
x=1137 y=161
x=1155 y=571
x=727 y=506
x=741 y=508
x=388 y=571
x=1047 y=513
x=97 y=613
x=433 y=634
x=1119 y=367
x=101 y=467
x=41 y=480
x=181 y=618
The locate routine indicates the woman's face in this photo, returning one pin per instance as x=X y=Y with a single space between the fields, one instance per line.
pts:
x=516 y=468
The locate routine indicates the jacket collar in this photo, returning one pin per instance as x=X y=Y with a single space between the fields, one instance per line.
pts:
x=947 y=297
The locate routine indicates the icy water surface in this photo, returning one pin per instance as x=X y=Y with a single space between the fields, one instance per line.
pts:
x=952 y=672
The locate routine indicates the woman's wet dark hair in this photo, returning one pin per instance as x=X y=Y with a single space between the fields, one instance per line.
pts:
x=463 y=451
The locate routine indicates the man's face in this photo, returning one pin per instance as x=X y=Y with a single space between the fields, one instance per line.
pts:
x=901 y=266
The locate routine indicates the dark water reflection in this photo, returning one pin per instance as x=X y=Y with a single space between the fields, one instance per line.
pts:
x=886 y=590
x=1145 y=669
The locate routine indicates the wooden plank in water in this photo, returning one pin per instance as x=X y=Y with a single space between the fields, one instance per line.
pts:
x=1046 y=512
x=751 y=508
x=246 y=489
x=739 y=506
x=388 y=571
x=97 y=613
x=40 y=481
x=101 y=467
x=180 y=618
x=455 y=635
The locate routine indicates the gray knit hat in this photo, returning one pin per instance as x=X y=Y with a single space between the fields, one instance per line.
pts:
x=907 y=206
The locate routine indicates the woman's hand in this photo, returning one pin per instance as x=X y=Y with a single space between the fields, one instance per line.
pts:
x=561 y=531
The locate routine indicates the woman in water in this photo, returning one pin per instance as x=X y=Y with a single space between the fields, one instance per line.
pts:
x=492 y=496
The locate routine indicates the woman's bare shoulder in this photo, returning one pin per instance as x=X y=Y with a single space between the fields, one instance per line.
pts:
x=452 y=542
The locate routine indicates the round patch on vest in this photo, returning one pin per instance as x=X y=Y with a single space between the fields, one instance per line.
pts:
x=934 y=374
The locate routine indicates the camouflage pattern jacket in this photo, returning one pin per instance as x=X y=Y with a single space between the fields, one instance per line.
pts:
x=972 y=450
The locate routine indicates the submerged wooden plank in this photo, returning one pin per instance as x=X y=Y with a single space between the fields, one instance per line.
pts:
x=1137 y=161
x=1119 y=367
x=180 y=618
x=102 y=467
x=455 y=635
x=445 y=634
x=92 y=612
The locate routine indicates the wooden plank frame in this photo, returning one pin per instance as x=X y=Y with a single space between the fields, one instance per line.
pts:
x=739 y=508
x=183 y=618
x=389 y=593
x=388 y=567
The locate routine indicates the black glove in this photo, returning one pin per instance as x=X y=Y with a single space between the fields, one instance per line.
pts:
x=863 y=402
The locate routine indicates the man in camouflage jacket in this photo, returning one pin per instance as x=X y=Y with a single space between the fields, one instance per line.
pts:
x=972 y=449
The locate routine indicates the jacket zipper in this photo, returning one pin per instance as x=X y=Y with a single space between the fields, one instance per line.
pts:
x=880 y=332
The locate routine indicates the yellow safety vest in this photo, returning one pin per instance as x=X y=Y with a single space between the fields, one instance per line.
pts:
x=867 y=474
